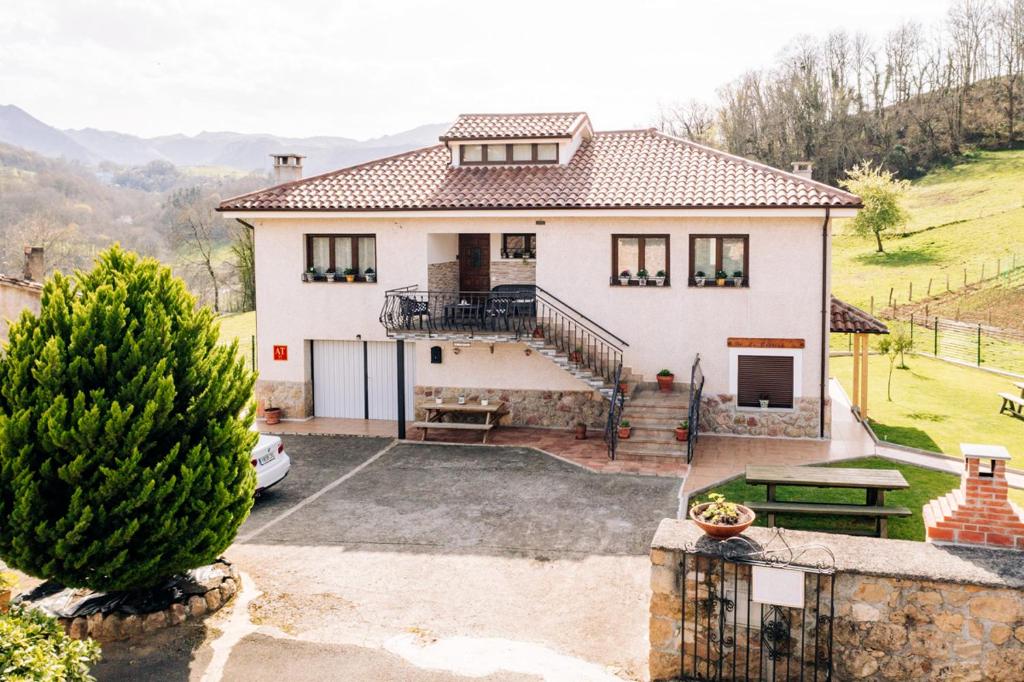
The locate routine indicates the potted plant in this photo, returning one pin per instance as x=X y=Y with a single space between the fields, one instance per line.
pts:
x=332 y=276
x=7 y=583
x=484 y=402
x=623 y=387
x=625 y=429
x=699 y=278
x=350 y=274
x=271 y=415
x=370 y=275
x=659 y=278
x=721 y=519
x=720 y=278
x=438 y=400
x=641 y=276
x=764 y=399
x=576 y=355
x=461 y=400
x=538 y=332
x=624 y=278
x=737 y=278
x=683 y=430
x=665 y=379
x=309 y=274
x=581 y=431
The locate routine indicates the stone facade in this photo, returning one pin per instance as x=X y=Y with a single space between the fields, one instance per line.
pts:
x=293 y=397
x=544 y=409
x=719 y=414
x=513 y=271
x=443 y=276
x=903 y=610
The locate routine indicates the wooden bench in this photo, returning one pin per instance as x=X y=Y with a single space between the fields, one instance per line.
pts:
x=823 y=509
x=874 y=481
x=1012 y=404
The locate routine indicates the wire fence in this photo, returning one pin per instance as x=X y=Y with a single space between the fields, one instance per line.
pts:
x=974 y=344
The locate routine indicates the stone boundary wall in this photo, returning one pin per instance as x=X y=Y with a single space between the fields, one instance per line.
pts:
x=903 y=610
x=544 y=409
x=719 y=414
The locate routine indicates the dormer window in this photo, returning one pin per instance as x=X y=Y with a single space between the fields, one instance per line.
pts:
x=511 y=153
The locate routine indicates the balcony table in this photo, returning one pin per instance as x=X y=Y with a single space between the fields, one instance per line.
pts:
x=436 y=414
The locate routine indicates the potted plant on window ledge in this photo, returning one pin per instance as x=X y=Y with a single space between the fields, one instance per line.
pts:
x=624 y=278
x=764 y=400
x=309 y=274
x=737 y=278
x=659 y=278
x=370 y=275
x=699 y=278
x=641 y=276
x=720 y=278
x=350 y=274
x=332 y=276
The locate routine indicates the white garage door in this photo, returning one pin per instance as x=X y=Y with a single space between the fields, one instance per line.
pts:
x=343 y=386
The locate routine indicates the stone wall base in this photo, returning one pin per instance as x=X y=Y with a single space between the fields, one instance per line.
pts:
x=545 y=409
x=295 y=398
x=719 y=414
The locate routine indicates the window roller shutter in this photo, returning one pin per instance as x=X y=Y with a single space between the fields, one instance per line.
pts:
x=765 y=374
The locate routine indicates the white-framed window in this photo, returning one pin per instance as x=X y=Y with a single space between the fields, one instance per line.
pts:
x=772 y=374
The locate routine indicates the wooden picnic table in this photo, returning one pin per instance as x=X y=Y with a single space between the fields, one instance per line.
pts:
x=874 y=481
x=436 y=413
x=1011 y=403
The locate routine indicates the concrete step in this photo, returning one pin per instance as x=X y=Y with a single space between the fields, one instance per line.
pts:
x=631 y=447
x=641 y=418
x=670 y=401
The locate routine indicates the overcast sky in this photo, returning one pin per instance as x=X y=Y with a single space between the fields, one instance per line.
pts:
x=361 y=69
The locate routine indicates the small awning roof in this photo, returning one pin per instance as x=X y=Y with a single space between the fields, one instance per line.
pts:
x=848 y=319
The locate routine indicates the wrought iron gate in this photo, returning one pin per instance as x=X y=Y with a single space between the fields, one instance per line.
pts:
x=726 y=635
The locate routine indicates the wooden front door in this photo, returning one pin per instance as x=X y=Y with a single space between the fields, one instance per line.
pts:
x=474 y=262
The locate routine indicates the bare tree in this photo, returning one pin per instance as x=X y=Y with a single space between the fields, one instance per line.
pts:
x=693 y=120
x=198 y=231
x=1009 y=39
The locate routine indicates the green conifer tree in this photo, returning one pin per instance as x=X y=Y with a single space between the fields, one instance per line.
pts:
x=124 y=430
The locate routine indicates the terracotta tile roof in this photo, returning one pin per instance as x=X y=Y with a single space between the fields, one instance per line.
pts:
x=507 y=126
x=18 y=282
x=624 y=169
x=847 y=319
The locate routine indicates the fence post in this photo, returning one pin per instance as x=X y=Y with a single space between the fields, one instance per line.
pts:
x=979 y=344
x=936 y=337
x=910 y=291
x=253 y=339
x=911 y=330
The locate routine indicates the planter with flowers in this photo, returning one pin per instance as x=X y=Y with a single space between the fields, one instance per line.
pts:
x=721 y=519
x=720 y=278
x=350 y=274
x=624 y=278
x=370 y=275
x=659 y=278
x=641 y=277
x=699 y=278
x=737 y=278
x=665 y=380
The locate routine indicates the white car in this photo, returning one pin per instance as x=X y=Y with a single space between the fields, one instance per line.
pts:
x=270 y=461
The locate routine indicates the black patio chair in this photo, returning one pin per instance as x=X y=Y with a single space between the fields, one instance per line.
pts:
x=498 y=312
x=411 y=308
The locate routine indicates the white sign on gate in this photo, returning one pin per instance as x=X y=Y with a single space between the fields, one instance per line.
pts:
x=778 y=586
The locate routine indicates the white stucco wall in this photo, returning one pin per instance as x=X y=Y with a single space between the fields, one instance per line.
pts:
x=665 y=327
x=15 y=298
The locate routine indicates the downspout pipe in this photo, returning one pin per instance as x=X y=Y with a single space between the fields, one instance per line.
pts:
x=825 y=303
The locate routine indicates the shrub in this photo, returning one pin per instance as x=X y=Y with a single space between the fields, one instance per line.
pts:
x=33 y=647
x=123 y=455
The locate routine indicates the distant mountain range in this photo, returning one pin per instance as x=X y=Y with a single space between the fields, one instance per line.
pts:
x=247 y=152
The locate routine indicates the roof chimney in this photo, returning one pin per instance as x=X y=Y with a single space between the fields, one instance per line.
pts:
x=34 y=267
x=803 y=169
x=287 y=167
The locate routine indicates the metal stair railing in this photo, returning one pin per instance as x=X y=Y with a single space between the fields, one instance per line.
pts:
x=693 y=416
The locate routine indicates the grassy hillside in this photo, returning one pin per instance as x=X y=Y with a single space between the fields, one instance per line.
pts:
x=964 y=216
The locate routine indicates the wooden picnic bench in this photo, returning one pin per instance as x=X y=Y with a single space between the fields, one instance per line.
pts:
x=436 y=413
x=874 y=481
x=1013 y=404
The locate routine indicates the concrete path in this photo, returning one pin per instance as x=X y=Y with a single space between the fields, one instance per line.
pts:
x=382 y=561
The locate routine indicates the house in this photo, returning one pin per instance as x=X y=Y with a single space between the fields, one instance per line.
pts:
x=21 y=293
x=506 y=261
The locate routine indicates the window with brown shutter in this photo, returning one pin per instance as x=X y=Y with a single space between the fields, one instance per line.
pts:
x=768 y=376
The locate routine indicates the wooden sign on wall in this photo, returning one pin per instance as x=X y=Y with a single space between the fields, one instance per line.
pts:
x=740 y=342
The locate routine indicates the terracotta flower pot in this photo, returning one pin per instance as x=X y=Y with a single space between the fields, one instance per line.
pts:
x=682 y=434
x=350 y=278
x=665 y=383
x=747 y=517
x=5 y=600
x=272 y=415
x=624 y=432
x=581 y=432
x=623 y=387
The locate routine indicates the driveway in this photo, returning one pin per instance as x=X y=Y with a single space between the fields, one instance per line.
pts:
x=377 y=560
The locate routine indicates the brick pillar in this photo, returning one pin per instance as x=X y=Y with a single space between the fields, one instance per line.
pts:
x=979 y=512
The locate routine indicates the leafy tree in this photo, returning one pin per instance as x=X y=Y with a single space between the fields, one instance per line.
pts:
x=893 y=346
x=881 y=192
x=34 y=648
x=124 y=431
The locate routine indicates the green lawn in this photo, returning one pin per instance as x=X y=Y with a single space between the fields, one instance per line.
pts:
x=961 y=217
x=925 y=485
x=240 y=326
x=937 y=405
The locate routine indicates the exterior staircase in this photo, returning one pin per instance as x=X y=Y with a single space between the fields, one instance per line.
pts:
x=654 y=417
x=578 y=367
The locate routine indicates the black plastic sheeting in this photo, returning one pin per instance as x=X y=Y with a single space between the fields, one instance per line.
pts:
x=63 y=602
